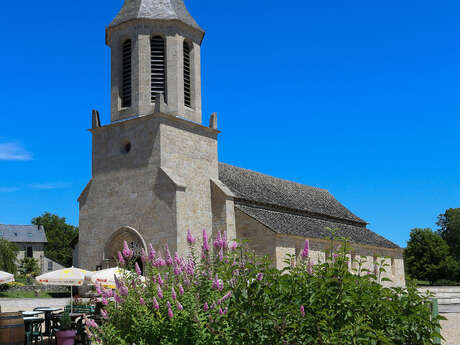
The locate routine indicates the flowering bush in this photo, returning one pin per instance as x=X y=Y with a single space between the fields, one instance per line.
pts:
x=228 y=295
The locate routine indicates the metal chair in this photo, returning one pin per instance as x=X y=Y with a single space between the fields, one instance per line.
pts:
x=35 y=333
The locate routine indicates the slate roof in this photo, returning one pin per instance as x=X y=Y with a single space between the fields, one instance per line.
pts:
x=23 y=233
x=291 y=208
x=155 y=9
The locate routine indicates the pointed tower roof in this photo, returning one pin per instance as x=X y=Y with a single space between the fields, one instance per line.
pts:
x=155 y=9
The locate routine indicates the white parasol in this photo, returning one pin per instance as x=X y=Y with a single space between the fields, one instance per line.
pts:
x=68 y=277
x=6 y=277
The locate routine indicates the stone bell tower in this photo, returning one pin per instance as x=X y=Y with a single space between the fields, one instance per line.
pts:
x=155 y=49
x=155 y=165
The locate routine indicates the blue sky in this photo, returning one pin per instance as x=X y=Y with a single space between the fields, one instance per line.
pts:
x=358 y=97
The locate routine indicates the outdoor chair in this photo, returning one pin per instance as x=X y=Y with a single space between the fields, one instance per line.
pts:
x=55 y=326
x=35 y=333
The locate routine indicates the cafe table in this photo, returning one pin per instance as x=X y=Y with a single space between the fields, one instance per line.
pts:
x=48 y=311
x=31 y=313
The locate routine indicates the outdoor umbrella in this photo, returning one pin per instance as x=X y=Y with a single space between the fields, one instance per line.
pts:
x=106 y=278
x=68 y=277
x=6 y=277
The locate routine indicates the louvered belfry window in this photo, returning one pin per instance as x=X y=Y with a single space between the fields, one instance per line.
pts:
x=158 y=67
x=187 y=77
x=126 y=75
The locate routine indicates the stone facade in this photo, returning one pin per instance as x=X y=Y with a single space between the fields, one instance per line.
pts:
x=156 y=174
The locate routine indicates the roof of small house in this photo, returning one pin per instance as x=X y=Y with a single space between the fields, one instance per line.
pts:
x=295 y=209
x=23 y=233
x=155 y=9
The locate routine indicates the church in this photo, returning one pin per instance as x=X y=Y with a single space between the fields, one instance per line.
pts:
x=155 y=167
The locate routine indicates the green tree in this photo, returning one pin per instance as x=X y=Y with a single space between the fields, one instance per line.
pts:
x=8 y=254
x=427 y=257
x=59 y=235
x=28 y=268
x=449 y=229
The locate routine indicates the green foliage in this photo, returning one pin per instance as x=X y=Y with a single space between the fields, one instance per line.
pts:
x=59 y=235
x=66 y=322
x=427 y=257
x=29 y=269
x=449 y=224
x=8 y=254
x=232 y=297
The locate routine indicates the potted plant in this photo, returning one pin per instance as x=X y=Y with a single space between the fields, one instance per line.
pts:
x=66 y=335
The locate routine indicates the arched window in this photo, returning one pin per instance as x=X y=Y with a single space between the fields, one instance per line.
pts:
x=126 y=75
x=187 y=76
x=158 y=67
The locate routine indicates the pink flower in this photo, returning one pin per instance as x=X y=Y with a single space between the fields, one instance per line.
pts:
x=218 y=241
x=260 y=276
x=160 y=281
x=221 y=312
x=181 y=289
x=169 y=259
x=117 y=283
x=104 y=301
x=217 y=283
x=138 y=269
x=98 y=289
x=190 y=239
x=177 y=270
x=233 y=246
x=121 y=260
x=302 y=310
x=206 y=307
x=160 y=292
x=142 y=301
x=104 y=314
x=155 y=304
x=152 y=253
x=306 y=249
x=127 y=253
x=221 y=254
x=117 y=299
x=124 y=291
x=179 y=306
x=170 y=312
x=205 y=241
x=224 y=240
x=173 y=293
x=143 y=256
x=225 y=310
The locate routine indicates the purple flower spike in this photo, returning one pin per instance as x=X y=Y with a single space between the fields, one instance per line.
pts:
x=302 y=310
x=190 y=239
x=205 y=241
x=127 y=253
x=152 y=253
x=170 y=312
x=138 y=269
x=142 y=301
x=117 y=298
x=206 y=307
x=306 y=249
x=160 y=292
x=121 y=260
x=169 y=259
x=179 y=306
x=221 y=312
x=104 y=314
x=124 y=291
x=233 y=246
x=156 y=305
x=181 y=289
x=260 y=276
x=173 y=294
x=160 y=280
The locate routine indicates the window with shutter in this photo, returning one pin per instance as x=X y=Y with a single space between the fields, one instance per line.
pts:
x=158 y=67
x=126 y=75
x=187 y=76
